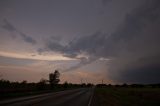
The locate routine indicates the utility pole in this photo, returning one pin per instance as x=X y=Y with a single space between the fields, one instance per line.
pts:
x=81 y=81
x=102 y=81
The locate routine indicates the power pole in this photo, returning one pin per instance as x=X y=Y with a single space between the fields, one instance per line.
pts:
x=81 y=81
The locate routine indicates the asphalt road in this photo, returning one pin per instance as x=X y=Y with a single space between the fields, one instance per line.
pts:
x=76 y=97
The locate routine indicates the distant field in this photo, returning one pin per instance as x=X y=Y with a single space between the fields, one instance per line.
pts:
x=111 y=96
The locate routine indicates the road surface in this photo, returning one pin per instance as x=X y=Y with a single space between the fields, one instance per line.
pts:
x=76 y=97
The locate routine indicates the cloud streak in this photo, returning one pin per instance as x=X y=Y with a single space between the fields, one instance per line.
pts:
x=11 y=28
x=85 y=45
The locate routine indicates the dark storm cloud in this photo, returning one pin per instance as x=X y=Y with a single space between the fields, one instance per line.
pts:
x=83 y=61
x=92 y=45
x=56 y=38
x=52 y=44
x=41 y=50
x=122 y=40
x=105 y=2
x=143 y=75
x=147 y=70
x=8 y=26
x=88 y=44
x=136 y=39
x=55 y=46
x=11 y=28
x=67 y=51
x=27 y=38
x=135 y=21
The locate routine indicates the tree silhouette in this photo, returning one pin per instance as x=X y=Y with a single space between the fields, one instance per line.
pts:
x=42 y=84
x=54 y=78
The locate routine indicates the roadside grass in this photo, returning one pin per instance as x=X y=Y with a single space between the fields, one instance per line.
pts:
x=113 y=96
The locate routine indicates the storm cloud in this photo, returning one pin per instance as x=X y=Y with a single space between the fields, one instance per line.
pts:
x=136 y=39
x=89 y=45
x=115 y=40
x=105 y=2
x=11 y=28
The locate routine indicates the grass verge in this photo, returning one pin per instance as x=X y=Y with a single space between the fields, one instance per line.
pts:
x=112 y=96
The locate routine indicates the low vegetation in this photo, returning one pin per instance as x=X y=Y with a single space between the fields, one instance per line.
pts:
x=145 y=95
x=16 y=89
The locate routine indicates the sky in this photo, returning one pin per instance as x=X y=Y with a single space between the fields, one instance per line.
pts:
x=117 y=41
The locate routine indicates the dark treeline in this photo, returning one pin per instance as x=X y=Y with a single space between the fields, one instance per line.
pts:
x=14 y=89
x=7 y=86
x=131 y=85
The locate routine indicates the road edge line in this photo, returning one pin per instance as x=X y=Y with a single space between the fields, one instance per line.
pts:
x=90 y=100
